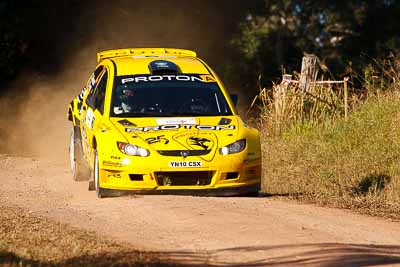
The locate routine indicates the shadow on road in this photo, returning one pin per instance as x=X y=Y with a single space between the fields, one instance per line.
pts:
x=326 y=254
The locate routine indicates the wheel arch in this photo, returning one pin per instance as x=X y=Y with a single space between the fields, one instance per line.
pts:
x=94 y=143
x=70 y=117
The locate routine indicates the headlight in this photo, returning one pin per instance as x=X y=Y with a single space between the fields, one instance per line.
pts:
x=233 y=148
x=132 y=150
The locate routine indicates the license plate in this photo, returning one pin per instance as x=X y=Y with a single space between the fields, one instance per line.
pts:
x=185 y=164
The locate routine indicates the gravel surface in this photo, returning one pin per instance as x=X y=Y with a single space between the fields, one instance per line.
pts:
x=47 y=218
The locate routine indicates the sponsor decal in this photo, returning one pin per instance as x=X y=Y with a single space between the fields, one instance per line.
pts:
x=158 y=139
x=174 y=121
x=114 y=175
x=90 y=118
x=201 y=142
x=161 y=78
x=111 y=163
x=81 y=95
x=161 y=64
x=179 y=126
x=196 y=140
x=185 y=164
x=208 y=78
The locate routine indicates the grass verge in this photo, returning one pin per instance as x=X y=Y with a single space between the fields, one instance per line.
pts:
x=354 y=164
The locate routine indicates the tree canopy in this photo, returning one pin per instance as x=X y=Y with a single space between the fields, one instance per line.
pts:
x=344 y=34
x=269 y=36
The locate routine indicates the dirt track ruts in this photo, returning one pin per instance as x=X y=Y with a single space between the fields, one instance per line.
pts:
x=214 y=231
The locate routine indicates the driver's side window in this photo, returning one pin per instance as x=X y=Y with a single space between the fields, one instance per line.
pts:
x=95 y=99
x=93 y=80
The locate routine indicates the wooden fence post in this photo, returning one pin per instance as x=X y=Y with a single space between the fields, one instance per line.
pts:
x=346 y=99
x=308 y=72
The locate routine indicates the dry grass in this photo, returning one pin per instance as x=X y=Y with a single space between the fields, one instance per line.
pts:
x=283 y=107
x=30 y=240
x=354 y=164
x=311 y=153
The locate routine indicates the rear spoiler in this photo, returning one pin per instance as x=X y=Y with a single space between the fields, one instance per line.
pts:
x=144 y=51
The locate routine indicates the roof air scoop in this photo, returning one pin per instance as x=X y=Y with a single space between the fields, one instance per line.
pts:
x=159 y=67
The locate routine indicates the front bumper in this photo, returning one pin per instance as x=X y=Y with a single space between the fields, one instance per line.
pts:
x=210 y=192
x=229 y=177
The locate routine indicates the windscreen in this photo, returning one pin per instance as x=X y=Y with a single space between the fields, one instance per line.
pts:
x=167 y=96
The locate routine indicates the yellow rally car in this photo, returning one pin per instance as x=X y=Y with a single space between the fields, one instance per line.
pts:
x=158 y=120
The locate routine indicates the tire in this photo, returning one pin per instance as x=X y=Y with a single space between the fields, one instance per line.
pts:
x=96 y=178
x=79 y=169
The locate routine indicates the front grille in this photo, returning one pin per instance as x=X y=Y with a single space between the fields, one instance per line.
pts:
x=184 y=178
x=136 y=177
x=183 y=153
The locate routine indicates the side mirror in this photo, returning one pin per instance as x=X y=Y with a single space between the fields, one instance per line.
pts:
x=235 y=99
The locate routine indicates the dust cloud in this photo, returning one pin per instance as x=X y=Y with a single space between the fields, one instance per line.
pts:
x=33 y=114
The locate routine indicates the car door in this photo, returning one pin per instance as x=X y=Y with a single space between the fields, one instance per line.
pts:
x=94 y=111
x=90 y=86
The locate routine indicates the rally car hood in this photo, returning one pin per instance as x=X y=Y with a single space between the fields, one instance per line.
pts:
x=201 y=136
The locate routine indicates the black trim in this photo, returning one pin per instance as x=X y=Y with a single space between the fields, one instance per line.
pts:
x=113 y=86
x=126 y=123
x=70 y=111
x=183 y=153
x=225 y=121
x=115 y=68
x=186 y=178
x=231 y=191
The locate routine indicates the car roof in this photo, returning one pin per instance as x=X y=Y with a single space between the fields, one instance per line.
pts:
x=132 y=65
x=131 y=61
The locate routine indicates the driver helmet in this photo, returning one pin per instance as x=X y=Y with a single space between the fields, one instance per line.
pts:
x=126 y=99
x=198 y=104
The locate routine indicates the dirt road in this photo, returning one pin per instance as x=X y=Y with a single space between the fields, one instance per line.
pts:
x=215 y=231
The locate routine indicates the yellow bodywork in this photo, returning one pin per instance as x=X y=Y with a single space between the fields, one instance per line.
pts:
x=118 y=171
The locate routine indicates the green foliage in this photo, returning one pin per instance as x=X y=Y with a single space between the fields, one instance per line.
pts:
x=341 y=33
